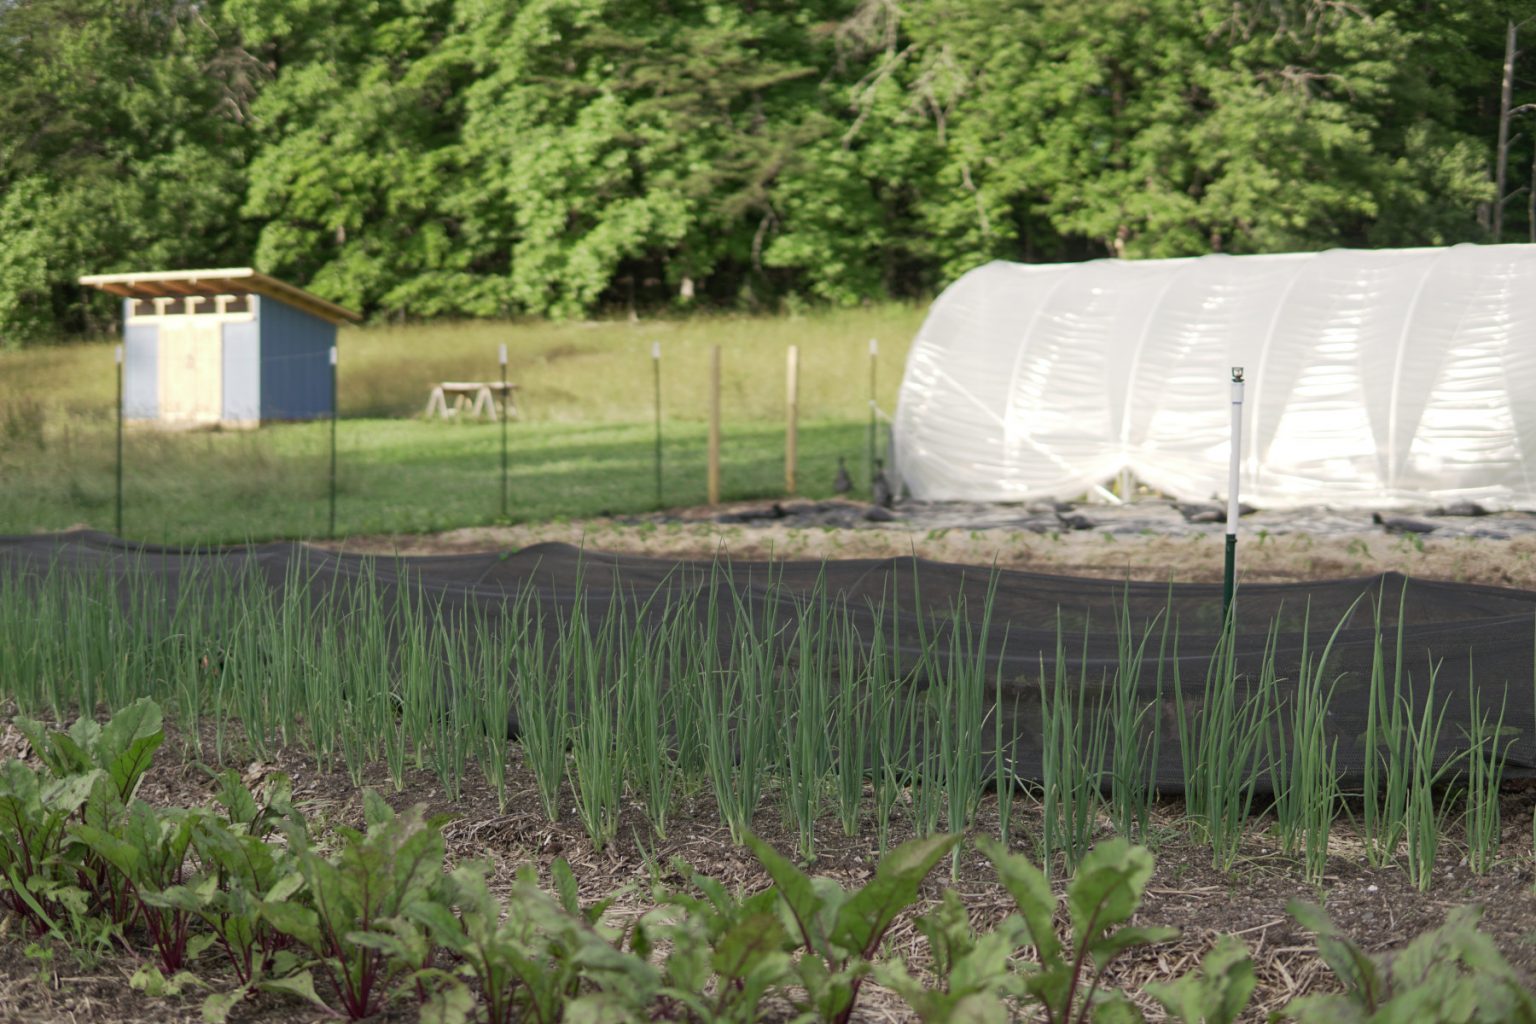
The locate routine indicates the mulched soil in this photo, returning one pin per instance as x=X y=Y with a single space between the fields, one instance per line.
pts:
x=1150 y=540
x=1377 y=906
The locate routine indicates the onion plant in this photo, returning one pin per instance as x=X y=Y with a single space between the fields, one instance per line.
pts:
x=851 y=720
x=1221 y=742
x=892 y=714
x=1486 y=751
x=1134 y=726
x=749 y=688
x=650 y=763
x=542 y=701
x=1004 y=779
x=597 y=740
x=741 y=730
x=807 y=716
x=1074 y=730
x=1424 y=815
x=1303 y=758
x=1387 y=745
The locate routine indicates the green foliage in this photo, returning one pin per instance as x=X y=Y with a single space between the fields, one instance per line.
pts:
x=35 y=811
x=121 y=750
x=841 y=931
x=975 y=972
x=535 y=957
x=377 y=875
x=430 y=158
x=1454 y=973
x=148 y=848
x=88 y=777
x=1104 y=893
x=122 y=141
x=1217 y=993
x=377 y=918
x=242 y=870
x=725 y=953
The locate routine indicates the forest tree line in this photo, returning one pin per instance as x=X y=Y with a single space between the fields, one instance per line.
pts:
x=423 y=158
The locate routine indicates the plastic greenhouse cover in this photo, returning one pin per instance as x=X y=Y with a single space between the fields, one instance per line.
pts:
x=1375 y=378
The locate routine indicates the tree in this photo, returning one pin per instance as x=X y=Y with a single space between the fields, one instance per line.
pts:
x=122 y=144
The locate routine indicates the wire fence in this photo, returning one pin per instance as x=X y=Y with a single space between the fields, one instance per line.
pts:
x=332 y=476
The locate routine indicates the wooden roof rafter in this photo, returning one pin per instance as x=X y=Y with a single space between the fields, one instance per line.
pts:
x=175 y=284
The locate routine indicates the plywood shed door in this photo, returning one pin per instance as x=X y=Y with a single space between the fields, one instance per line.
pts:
x=191 y=372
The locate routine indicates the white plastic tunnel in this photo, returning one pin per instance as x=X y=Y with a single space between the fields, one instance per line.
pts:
x=1376 y=378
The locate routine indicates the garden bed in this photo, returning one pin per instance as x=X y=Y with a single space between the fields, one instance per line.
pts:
x=516 y=812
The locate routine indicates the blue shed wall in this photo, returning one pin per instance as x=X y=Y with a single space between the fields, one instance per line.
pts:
x=295 y=362
x=141 y=370
x=242 y=371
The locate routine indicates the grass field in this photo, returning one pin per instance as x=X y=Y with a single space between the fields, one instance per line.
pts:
x=583 y=445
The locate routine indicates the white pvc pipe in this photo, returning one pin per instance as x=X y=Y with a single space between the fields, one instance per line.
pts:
x=1237 y=450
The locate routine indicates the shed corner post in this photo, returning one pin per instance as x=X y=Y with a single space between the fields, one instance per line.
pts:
x=334 y=412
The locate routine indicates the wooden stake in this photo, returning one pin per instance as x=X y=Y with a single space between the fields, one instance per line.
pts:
x=714 y=425
x=792 y=417
x=874 y=359
x=506 y=486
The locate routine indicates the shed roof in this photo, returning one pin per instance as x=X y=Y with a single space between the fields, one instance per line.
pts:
x=161 y=284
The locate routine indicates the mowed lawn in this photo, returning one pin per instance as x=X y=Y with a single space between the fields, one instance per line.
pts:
x=583 y=446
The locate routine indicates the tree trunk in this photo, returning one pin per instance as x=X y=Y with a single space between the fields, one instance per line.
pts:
x=1501 y=157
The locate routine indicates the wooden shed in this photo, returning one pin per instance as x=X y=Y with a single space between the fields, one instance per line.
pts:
x=232 y=347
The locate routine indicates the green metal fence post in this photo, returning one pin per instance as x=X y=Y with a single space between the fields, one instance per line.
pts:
x=656 y=380
x=118 y=518
x=1229 y=575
